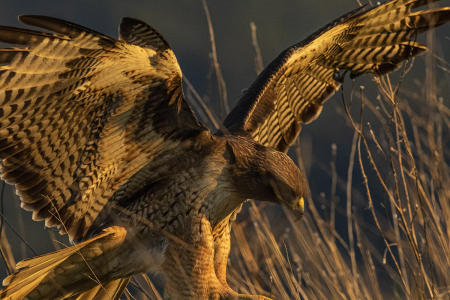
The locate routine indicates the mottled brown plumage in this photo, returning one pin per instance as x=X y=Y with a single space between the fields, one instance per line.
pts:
x=293 y=88
x=99 y=141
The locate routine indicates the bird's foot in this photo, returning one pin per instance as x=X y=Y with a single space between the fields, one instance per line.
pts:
x=252 y=297
x=245 y=297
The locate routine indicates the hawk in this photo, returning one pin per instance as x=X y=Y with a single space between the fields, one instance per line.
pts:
x=99 y=141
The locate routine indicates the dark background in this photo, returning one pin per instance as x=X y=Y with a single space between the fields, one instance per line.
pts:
x=183 y=24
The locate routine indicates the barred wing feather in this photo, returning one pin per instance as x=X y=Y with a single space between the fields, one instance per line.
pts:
x=81 y=113
x=294 y=87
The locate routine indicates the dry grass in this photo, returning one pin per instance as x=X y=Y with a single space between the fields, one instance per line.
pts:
x=397 y=240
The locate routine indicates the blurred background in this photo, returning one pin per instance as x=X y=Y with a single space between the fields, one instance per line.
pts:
x=279 y=24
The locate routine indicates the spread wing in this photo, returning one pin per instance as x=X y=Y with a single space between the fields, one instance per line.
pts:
x=293 y=88
x=81 y=113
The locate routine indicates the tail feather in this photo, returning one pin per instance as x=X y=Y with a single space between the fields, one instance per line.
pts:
x=111 y=291
x=81 y=268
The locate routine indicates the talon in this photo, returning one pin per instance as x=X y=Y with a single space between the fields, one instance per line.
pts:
x=252 y=297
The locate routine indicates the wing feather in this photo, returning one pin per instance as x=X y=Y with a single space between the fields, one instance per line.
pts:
x=298 y=82
x=81 y=113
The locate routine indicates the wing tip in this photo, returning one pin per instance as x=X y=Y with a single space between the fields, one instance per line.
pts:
x=127 y=25
x=137 y=32
x=59 y=26
x=26 y=18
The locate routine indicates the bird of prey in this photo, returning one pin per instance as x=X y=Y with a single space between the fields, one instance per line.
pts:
x=99 y=141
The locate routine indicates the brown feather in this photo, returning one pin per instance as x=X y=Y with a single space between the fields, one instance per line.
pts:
x=75 y=104
x=293 y=88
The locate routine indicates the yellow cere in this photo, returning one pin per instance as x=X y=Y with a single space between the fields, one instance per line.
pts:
x=301 y=203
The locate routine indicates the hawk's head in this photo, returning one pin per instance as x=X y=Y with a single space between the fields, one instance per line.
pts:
x=265 y=174
x=286 y=183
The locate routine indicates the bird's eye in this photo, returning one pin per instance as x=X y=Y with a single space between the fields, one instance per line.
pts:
x=301 y=203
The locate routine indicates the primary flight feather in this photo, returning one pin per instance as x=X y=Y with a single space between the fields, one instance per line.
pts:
x=99 y=141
